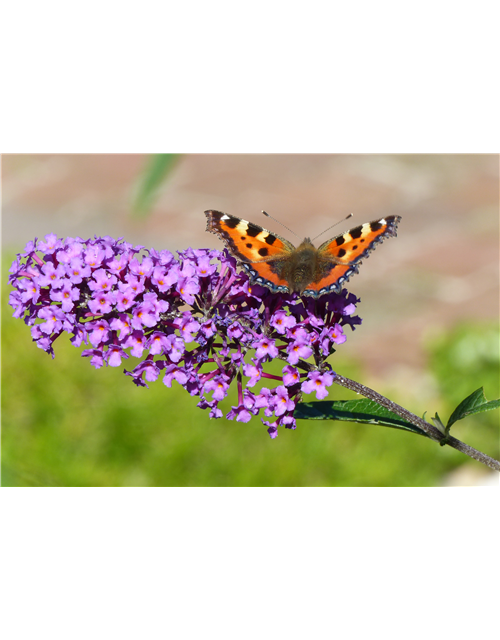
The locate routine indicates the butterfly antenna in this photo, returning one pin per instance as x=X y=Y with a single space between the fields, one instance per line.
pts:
x=266 y=214
x=334 y=225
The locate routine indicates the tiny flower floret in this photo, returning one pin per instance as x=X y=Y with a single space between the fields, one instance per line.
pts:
x=316 y=383
x=192 y=319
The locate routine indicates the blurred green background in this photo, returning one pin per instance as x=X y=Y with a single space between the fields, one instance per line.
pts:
x=425 y=342
x=68 y=424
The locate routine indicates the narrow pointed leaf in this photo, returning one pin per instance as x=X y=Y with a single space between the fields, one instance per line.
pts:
x=475 y=403
x=363 y=411
x=438 y=423
x=157 y=170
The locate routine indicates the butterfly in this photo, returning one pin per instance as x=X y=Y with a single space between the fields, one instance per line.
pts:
x=275 y=263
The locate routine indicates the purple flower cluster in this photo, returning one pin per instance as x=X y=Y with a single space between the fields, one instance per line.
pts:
x=194 y=318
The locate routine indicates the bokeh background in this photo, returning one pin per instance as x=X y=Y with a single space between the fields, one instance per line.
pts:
x=429 y=303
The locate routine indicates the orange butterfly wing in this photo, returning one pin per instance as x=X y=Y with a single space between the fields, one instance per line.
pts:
x=333 y=282
x=345 y=253
x=255 y=247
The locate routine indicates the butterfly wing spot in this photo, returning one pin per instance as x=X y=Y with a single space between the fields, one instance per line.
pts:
x=357 y=243
x=247 y=241
x=229 y=221
x=252 y=230
x=357 y=232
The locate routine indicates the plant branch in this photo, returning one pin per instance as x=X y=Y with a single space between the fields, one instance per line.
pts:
x=429 y=429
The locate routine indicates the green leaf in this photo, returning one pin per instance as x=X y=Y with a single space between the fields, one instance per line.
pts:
x=475 y=403
x=363 y=411
x=438 y=423
x=157 y=170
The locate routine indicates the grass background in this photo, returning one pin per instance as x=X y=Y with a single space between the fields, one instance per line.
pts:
x=68 y=424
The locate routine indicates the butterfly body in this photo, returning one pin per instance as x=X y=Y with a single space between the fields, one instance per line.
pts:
x=275 y=263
